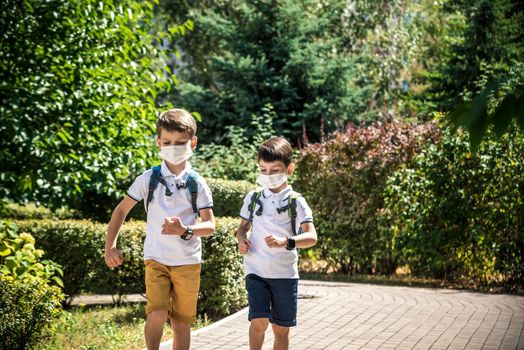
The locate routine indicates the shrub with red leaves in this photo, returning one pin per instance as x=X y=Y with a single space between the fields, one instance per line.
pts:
x=343 y=180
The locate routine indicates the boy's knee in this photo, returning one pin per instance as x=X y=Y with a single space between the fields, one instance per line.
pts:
x=259 y=325
x=180 y=326
x=157 y=316
x=280 y=331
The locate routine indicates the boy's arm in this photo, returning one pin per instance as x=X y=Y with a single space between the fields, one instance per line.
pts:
x=243 y=242
x=112 y=256
x=308 y=237
x=174 y=226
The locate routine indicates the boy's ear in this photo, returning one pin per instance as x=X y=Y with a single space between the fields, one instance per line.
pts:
x=157 y=141
x=194 y=142
x=291 y=168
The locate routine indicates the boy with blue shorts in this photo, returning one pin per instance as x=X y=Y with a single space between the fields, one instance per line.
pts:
x=174 y=196
x=280 y=222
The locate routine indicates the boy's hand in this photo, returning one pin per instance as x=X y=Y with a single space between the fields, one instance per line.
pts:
x=243 y=246
x=173 y=226
x=113 y=258
x=275 y=242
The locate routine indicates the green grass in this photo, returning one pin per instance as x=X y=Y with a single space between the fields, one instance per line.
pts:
x=102 y=327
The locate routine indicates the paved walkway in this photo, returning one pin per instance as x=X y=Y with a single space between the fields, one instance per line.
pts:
x=361 y=316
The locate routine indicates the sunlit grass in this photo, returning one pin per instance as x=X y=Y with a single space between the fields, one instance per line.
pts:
x=103 y=327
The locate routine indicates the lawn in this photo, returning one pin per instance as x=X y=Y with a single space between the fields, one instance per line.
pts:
x=103 y=327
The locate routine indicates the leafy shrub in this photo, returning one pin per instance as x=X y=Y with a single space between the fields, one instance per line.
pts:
x=228 y=196
x=343 y=179
x=458 y=214
x=78 y=245
x=33 y=211
x=19 y=260
x=28 y=309
x=222 y=288
x=28 y=303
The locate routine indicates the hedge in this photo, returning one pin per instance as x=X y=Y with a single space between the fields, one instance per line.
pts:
x=78 y=245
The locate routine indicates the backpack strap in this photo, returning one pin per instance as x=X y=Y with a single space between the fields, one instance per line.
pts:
x=153 y=183
x=255 y=199
x=291 y=208
x=292 y=212
x=192 y=186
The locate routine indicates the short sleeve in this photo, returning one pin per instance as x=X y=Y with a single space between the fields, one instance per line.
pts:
x=205 y=197
x=244 y=211
x=138 y=189
x=304 y=213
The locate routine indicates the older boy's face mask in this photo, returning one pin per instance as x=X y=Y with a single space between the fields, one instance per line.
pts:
x=272 y=181
x=176 y=154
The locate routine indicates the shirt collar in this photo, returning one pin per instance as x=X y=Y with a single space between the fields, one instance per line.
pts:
x=268 y=193
x=166 y=172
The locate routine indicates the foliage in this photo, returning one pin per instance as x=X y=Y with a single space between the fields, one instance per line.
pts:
x=33 y=211
x=243 y=55
x=496 y=105
x=464 y=38
x=28 y=309
x=77 y=98
x=222 y=289
x=343 y=180
x=228 y=196
x=237 y=160
x=78 y=245
x=20 y=260
x=458 y=214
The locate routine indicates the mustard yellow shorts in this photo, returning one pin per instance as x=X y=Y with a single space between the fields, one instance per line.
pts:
x=173 y=288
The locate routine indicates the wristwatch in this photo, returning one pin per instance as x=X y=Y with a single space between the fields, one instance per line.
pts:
x=290 y=244
x=188 y=235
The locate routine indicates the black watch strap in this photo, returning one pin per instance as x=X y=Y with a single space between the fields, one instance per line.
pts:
x=188 y=235
x=290 y=244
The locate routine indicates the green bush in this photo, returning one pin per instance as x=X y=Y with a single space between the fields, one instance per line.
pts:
x=19 y=260
x=456 y=214
x=78 y=245
x=33 y=211
x=343 y=179
x=222 y=288
x=27 y=311
x=28 y=303
x=228 y=196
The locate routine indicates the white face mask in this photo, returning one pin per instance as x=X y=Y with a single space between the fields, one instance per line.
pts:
x=176 y=154
x=272 y=181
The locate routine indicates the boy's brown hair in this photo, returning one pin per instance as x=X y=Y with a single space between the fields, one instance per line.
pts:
x=276 y=149
x=176 y=120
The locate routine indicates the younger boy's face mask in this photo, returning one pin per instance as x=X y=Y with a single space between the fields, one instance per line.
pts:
x=272 y=181
x=176 y=154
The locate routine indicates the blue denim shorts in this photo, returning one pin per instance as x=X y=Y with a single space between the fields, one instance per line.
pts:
x=273 y=298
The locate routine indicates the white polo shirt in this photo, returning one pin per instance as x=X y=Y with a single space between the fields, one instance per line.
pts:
x=170 y=250
x=273 y=262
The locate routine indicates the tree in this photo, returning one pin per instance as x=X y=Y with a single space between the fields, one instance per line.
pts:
x=77 y=98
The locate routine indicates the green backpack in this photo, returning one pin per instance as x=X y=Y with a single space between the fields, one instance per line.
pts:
x=290 y=207
x=190 y=183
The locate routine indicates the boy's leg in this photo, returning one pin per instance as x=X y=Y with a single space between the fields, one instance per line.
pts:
x=281 y=337
x=259 y=297
x=284 y=300
x=257 y=332
x=184 y=297
x=182 y=334
x=154 y=328
x=158 y=289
